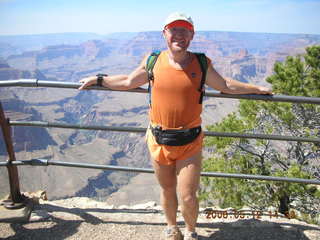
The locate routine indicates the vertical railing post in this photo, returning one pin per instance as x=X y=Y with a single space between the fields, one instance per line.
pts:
x=16 y=198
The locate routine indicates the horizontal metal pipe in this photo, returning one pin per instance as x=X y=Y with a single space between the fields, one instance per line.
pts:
x=19 y=83
x=75 y=126
x=261 y=136
x=102 y=167
x=273 y=98
x=3 y=164
x=260 y=177
x=43 y=162
x=133 y=129
x=74 y=85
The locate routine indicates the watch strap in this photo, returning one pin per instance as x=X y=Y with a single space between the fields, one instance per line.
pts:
x=100 y=79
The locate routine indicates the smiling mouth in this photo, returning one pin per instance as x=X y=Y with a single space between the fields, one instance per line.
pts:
x=179 y=42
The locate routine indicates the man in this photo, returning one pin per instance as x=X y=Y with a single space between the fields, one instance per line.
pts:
x=175 y=108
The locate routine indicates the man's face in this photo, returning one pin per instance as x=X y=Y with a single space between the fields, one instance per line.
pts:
x=178 y=38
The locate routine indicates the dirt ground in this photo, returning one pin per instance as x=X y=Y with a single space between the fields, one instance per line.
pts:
x=82 y=218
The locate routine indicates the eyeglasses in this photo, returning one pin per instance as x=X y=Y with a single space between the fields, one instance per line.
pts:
x=178 y=30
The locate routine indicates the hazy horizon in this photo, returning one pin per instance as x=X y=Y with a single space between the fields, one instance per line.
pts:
x=111 y=33
x=19 y=17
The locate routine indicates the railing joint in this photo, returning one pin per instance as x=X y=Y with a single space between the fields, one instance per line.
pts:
x=38 y=162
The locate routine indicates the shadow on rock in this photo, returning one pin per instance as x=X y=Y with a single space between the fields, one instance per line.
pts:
x=254 y=229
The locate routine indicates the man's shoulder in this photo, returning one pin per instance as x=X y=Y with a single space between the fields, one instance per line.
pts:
x=202 y=58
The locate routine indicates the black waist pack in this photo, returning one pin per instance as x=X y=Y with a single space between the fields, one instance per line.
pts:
x=172 y=137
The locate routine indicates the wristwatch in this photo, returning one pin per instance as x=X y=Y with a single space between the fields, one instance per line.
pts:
x=100 y=79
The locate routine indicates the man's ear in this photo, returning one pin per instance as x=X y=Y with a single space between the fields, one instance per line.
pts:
x=192 y=35
x=163 y=33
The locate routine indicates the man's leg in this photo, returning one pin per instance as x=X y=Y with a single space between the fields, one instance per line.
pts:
x=166 y=175
x=188 y=183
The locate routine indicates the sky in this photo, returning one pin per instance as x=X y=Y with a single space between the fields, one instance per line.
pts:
x=107 y=16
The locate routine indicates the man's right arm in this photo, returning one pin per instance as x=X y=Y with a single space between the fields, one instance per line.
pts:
x=135 y=79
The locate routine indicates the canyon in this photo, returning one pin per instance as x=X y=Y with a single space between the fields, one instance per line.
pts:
x=247 y=57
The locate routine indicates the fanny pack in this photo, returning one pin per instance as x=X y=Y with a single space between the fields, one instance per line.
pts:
x=172 y=137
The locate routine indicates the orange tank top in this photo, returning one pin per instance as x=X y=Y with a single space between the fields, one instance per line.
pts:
x=175 y=95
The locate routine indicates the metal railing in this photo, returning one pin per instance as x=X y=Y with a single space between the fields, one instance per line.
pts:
x=55 y=84
x=17 y=198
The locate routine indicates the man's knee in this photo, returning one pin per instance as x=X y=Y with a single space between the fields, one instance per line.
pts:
x=188 y=199
x=169 y=190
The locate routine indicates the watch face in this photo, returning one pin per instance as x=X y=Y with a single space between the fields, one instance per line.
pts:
x=99 y=80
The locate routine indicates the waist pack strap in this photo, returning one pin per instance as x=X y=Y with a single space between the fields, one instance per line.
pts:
x=175 y=137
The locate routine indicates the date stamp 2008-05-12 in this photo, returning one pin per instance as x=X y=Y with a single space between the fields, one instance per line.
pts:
x=245 y=214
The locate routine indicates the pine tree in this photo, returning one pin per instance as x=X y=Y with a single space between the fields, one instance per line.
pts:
x=297 y=76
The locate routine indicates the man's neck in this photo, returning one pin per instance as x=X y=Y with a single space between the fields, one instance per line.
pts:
x=180 y=57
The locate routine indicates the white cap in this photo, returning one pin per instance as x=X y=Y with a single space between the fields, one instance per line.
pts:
x=178 y=16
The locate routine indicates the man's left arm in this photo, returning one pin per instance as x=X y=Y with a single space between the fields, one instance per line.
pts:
x=231 y=86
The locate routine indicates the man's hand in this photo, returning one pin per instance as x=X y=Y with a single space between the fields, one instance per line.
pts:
x=264 y=90
x=88 y=81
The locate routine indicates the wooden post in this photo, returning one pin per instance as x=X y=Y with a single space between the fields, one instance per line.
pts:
x=15 y=195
